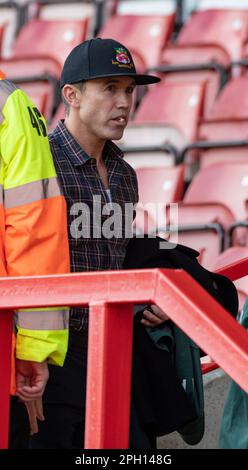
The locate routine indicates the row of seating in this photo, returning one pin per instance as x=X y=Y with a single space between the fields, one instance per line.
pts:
x=188 y=129
x=211 y=216
x=206 y=57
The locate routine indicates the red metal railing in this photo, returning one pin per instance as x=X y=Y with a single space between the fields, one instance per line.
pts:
x=111 y=296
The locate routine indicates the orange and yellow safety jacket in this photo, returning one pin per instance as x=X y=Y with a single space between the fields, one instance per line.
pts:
x=33 y=226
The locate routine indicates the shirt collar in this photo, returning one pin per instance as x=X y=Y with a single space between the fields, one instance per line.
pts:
x=72 y=149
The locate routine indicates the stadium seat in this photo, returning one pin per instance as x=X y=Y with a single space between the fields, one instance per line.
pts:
x=199 y=226
x=144 y=7
x=149 y=145
x=158 y=186
x=167 y=184
x=178 y=105
x=183 y=63
x=175 y=104
x=34 y=60
x=156 y=134
x=43 y=88
x=228 y=140
x=224 y=27
x=224 y=184
x=36 y=37
x=217 y=195
x=203 y=52
x=11 y=14
x=144 y=36
x=220 y=4
x=159 y=131
x=232 y=103
x=70 y=10
x=226 y=122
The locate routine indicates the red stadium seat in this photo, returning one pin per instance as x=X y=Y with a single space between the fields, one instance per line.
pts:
x=149 y=145
x=10 y=20
x=221 y=132
x=167 y=184
x=41 y=91
x=224 y=184
x=183 y=63
x=232 y=103
x=37 y=64
x=158 y=186
x=206 y=46
x=36 y=67
x=70 y=10
x=218 y=194
x=176 y=104
x=143 y=7
x=144 y=36
x=49 y=40
x=226 y=122
x=225 y=28
x=200 y=226
x=44 y=87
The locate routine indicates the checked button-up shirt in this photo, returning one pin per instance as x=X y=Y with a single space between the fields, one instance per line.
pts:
x=98 y=229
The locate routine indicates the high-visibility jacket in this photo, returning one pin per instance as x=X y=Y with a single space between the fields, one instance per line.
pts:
x=33 y=226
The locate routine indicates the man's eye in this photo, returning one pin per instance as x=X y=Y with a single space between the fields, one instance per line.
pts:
x=130 y=90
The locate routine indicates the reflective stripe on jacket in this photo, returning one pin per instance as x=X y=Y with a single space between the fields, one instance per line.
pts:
x=33 y=237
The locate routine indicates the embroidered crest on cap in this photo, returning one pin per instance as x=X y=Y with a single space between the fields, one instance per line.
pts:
x=122 y=58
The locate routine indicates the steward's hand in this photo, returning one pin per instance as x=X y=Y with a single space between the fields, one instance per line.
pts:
x=31 y=379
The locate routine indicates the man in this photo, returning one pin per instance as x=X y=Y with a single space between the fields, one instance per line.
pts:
x=98 y=81
x=32 y=221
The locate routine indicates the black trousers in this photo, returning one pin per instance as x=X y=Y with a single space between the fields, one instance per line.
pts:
x=64 y=404
x=159 y=404
x=19 y=429
x=64 y=400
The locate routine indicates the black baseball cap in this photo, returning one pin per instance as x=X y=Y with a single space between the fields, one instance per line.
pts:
x=99 y=58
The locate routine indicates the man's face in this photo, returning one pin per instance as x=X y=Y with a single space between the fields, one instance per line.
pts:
x=105 y=105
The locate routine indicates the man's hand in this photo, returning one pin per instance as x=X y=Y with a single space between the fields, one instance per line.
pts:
x=154 y=318
x=31 y=379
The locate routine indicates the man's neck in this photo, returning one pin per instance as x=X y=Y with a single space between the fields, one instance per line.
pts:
x=92 y=146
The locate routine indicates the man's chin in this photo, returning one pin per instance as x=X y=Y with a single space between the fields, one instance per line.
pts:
x=116 y=135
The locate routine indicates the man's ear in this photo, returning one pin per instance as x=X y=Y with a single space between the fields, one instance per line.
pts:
x=70 y=94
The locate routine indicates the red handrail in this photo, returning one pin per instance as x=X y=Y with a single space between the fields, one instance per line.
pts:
x=234 y=270
x=111 y=296
x=207 y=367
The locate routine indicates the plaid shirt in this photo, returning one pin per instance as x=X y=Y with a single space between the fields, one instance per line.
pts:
x=82 y=185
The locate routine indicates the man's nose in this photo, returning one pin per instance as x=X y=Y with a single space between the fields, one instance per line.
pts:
x=124 y=100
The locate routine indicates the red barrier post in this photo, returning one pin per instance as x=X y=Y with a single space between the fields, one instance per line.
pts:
x=6 y=329
x=109 y=376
